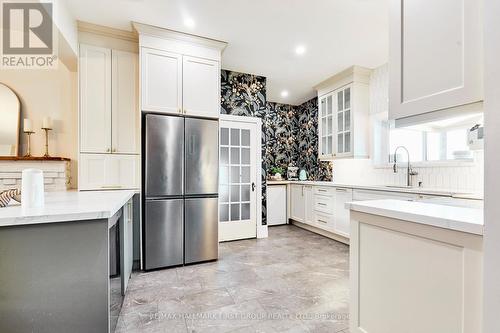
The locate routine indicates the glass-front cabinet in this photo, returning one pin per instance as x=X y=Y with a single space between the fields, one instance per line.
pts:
x=335 y=124
x=342 y=105
x=343 y=115
x=326 y=136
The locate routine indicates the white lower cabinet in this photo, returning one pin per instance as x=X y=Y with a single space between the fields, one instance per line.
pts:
x=342 y=215
x=276 y=204
x=323 y=207
x=109 y=171
x=308 y=201
x=297 y=203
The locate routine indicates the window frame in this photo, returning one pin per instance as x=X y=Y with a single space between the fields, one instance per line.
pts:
x=385 y=154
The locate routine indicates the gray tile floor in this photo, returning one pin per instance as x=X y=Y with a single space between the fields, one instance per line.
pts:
x=293 y=281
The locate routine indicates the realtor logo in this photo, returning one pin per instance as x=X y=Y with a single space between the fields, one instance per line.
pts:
x=28 y=35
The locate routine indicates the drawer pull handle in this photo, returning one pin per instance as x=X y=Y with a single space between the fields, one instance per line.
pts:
x=341 y=190
x=321 y=204
x=320 y=190
x=322 y=221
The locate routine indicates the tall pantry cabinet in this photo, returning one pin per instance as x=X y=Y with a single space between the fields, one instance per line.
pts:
x=109 y=119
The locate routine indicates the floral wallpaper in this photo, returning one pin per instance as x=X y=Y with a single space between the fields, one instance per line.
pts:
x=289 y=133
x=245 y=95
x=307 y=114
x=281 y=126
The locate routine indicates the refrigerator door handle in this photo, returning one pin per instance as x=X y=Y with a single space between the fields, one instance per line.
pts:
x=191 y=140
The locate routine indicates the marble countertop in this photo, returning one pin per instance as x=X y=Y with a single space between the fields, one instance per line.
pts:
x=469 y=220
x=65 y=206
x=416 y=190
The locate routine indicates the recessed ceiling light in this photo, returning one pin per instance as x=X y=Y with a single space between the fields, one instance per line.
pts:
x=284 y=93
x=189 y=22
x=300 y=49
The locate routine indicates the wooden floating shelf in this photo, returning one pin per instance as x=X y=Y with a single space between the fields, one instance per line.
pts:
x=33 y=158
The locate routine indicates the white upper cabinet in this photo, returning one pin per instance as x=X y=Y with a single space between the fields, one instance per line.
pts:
x=125 y=116
x=95 y=99
x=435 y=59
x=343 y=124
x=325 y=122
x=109 y=115
x=343 y=117
x=201 y=87
x=180 y=73
x=161 y=79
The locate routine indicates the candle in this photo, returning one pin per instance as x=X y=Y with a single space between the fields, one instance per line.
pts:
x=28 y=126
x=47 y=122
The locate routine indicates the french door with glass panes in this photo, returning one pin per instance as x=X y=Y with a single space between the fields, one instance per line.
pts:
x=237 y=181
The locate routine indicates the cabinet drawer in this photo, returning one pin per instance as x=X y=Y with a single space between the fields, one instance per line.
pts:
x=323 y=221
x=362 y=195
x=325 y=191
x=323 y=204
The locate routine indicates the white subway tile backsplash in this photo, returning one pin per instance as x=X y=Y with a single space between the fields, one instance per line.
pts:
x=460 y=177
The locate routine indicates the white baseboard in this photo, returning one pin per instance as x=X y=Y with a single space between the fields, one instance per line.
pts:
x=322 y=232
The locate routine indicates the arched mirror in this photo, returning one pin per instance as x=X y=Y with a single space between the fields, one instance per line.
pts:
x=9 y=121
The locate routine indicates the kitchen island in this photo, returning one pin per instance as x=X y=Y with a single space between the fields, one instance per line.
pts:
x=55 y=262
x=415 y=267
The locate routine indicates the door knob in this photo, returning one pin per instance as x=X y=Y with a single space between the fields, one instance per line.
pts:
x=253 y=187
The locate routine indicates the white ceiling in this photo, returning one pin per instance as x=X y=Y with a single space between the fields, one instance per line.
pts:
x=263 y=34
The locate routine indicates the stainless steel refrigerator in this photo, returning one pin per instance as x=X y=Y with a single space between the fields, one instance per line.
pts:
x=181 y=162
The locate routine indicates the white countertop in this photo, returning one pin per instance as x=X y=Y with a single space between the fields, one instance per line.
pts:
x=67 y=206
x=416 y=190
x=469 y=220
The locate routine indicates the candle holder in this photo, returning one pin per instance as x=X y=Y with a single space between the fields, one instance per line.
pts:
x=46 y=129
x=28 y=153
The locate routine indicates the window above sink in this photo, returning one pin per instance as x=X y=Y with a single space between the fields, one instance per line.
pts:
x=442 y=141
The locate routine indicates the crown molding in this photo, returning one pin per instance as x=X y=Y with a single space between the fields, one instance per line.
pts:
x=150 y=30
x=107 y=31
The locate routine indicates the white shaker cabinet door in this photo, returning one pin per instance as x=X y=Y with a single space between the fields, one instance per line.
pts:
x=92 y=171
x=95 y=99
x=297 y=203
x=161 y=81
x=309 y=205
x=125 y=108
x=276 y=204
x=108 y=171
x=435 y=59
x=128 y=170
x=201 y=87
x=342 y=214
